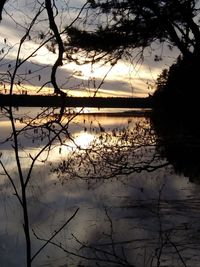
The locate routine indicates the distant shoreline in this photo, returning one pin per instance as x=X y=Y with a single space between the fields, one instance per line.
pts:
x=58 y=101
x=136 y=113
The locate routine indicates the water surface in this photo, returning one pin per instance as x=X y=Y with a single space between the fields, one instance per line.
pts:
x=133 y=208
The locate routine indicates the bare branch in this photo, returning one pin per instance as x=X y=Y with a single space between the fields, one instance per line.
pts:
x=54 y=235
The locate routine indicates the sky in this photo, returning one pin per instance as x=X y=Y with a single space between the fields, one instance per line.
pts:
x=126 y=79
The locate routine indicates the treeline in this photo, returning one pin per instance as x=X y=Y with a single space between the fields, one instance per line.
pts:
x=57 y=101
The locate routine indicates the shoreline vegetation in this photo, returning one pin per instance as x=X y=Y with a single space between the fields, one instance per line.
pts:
x=90 y=102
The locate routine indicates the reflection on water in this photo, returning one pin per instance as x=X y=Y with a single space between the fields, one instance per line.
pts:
x=178 y=140
x=133 y=209
x=83 y=140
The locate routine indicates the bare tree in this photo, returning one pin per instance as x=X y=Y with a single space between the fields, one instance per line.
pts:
x=48 y=125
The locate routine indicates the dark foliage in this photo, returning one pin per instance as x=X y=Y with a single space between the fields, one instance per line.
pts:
x=178 y=89
x=138 y=23
x=176 y=117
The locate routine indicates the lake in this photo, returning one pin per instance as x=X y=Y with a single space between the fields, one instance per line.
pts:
x=102 y=188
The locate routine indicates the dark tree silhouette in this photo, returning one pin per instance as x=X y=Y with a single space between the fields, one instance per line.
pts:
x=137 y=24
x=114 y=29
x=124 y=27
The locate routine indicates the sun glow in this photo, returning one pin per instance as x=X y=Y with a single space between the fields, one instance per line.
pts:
x=83 y=140
x=122 y=79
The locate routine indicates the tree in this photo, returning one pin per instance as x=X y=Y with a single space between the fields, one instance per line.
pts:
x=21 y=73
x=138 y=24
x=127 y=28
x=125 y=25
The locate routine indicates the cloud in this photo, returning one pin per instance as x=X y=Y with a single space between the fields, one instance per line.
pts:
x=33 y=75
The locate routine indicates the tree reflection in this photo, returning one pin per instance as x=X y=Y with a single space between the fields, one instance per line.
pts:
x=113 y=153
x=178 y=140
x=161 y=228
x=46 y=128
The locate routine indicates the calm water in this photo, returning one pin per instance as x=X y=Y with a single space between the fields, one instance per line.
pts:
x=133 y=208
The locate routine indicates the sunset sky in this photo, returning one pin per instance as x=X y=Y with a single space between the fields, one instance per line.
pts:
x=124 y=79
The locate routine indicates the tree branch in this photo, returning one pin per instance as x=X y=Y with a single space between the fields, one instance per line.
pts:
x=59 y=61
x=54 y=235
